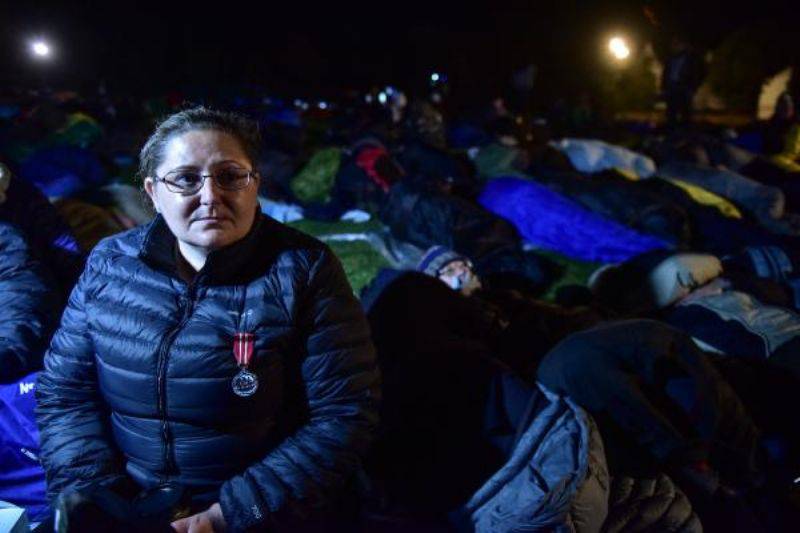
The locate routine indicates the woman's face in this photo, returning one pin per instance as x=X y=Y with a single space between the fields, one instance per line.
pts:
x=212 y=217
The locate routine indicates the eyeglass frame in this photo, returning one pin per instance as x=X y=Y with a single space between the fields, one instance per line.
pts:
x=251 y=176
x=467 y=262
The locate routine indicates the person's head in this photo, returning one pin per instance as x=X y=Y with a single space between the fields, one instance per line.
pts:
x=5 y=181
x=653 y=280
x=678 y=44
x=397 y=106
x=203 y=213
x=784 y=108
x=455 y=270
x=427 y=124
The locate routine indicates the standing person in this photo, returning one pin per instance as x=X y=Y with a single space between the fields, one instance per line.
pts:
x=213 y=353
x=683 y=74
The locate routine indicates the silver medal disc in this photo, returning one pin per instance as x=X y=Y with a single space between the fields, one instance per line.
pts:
x=245 y=383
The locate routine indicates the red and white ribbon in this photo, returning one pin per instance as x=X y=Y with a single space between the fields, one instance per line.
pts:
x=243 y=348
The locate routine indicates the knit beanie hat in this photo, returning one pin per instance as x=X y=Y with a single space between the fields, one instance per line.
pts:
x=436 y=258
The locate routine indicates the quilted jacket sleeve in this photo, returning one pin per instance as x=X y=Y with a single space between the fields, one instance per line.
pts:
x=27 y=299
x=76 y=444
x=305 y=472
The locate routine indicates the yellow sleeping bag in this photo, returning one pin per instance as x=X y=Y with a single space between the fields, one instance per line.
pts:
x=705 y=197
x=787 y=159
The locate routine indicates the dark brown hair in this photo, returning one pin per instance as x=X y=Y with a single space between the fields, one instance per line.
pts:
x=241 y=128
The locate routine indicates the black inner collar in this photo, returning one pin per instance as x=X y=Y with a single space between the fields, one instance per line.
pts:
x=227 y=265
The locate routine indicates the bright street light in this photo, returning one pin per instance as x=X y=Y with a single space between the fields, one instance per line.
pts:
x=40 y=49
x=619 y=48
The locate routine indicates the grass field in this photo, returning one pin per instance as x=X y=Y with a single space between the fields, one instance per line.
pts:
x=361 y=261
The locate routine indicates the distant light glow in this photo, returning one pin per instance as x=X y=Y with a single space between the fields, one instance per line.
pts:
x=619 y=48
x=323 y=105
x=382 y=97
x=435 y=77
x=368 y=98
x=40 y=49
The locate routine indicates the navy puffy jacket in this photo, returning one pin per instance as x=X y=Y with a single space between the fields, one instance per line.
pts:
x=28 y=302
x=49 y=236
x=138 y=377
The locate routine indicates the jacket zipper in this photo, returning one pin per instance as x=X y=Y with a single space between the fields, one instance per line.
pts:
x=163 y=355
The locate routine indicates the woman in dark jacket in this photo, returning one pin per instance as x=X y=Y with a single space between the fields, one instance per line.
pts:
x=214 y=350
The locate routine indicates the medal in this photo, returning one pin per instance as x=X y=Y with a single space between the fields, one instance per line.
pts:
x=245 y=383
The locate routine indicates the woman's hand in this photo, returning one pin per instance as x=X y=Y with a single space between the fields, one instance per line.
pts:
x=209 y=521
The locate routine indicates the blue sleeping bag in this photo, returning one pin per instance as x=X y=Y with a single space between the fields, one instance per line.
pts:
x=551 y=221
x=22 y=480
x=282 y=115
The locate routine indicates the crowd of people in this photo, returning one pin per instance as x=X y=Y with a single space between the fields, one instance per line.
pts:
x=175 y=353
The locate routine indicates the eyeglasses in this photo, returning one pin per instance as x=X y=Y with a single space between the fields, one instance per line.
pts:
x=455 y=268
x=188 y=182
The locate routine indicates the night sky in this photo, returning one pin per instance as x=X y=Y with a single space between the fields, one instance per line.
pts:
x=296 y=47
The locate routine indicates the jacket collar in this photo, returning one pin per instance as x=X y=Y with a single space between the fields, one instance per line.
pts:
x=232 y=264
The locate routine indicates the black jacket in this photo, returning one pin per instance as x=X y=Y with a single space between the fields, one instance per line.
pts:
x=29 y=305
x=138 y=377
x=49 y=236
